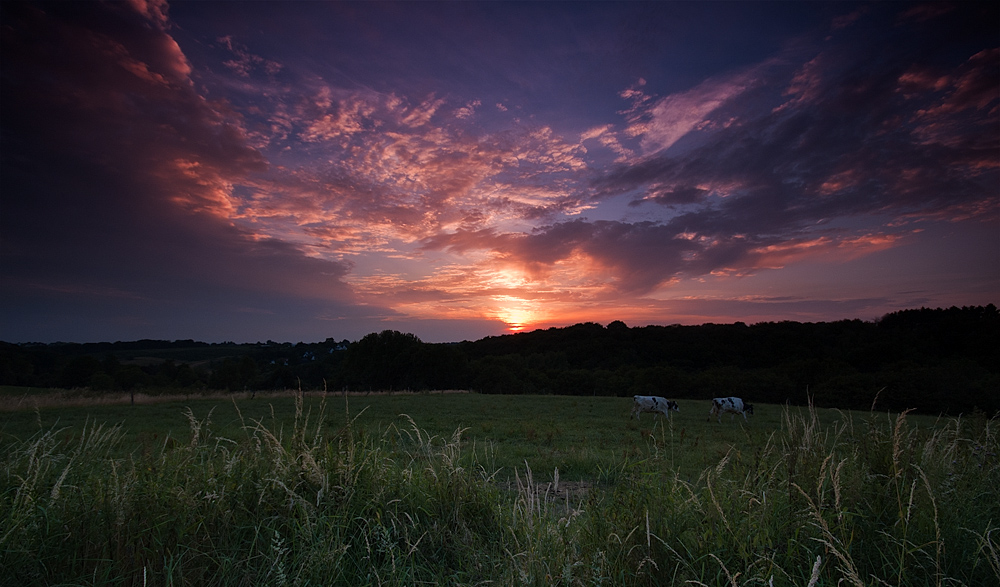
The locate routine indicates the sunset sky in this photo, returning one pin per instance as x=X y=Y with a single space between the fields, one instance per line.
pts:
x=295 y=171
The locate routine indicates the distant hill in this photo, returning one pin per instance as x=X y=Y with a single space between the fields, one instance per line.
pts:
x=933 y=360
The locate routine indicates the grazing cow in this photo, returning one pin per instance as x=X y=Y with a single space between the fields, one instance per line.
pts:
x=652 y=403
x=731 y=406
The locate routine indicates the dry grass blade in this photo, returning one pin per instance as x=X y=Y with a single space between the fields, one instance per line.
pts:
x=833 y=543
x=815 y=571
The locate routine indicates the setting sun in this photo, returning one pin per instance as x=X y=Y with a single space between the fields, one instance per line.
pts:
x=516 y=313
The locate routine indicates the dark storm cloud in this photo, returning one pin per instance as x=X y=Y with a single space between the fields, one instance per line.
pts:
x=674 y=195
x=113 y=165
x=852 y=136
x=641 y=256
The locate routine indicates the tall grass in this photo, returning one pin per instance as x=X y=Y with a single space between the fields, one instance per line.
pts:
x=862 y=501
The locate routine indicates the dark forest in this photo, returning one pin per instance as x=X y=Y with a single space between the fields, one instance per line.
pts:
x=931 y=360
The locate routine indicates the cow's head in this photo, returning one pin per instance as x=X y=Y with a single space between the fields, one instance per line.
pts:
x=671 y=405
x=748 y=408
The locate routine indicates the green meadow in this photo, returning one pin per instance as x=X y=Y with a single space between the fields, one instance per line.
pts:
x=580 y=436
x=470 y=489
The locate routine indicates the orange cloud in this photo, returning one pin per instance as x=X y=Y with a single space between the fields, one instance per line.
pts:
x=824 y=249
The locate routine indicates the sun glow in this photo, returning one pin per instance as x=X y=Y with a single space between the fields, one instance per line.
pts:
x=516 y=313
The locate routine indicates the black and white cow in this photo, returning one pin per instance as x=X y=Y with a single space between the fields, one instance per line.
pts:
x=652 y=403
x=730 y=405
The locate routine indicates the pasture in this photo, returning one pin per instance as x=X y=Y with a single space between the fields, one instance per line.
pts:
x=469 y=489
x=577 y=435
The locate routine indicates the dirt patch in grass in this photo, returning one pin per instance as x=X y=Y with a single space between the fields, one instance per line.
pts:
x=574 y=492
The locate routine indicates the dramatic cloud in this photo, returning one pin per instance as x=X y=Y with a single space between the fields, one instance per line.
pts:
x=117 y=172
x=312 y=170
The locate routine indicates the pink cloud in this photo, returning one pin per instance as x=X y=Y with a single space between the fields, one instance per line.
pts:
x=806 y=84
x=154 y=10
x=670 y=118
x=244 y=62
x=973 y=86
x=468 y=110
x=821 y=249
x=421 y=114
x=401 y=176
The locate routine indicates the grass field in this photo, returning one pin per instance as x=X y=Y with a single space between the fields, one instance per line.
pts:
x=470 y=489
x=580 y=436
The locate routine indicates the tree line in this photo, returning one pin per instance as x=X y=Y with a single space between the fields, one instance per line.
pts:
x=932 y=360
